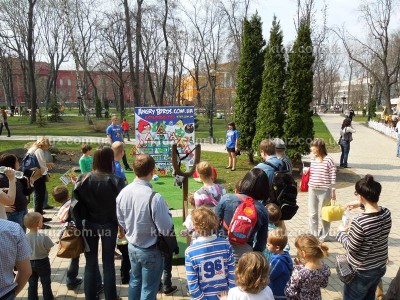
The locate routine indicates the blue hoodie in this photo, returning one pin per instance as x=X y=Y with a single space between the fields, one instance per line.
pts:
x=281 y=266
x=273 y=160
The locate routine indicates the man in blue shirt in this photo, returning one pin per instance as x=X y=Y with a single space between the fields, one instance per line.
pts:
x=115 y=134
x=271 y=162
x=133 y=214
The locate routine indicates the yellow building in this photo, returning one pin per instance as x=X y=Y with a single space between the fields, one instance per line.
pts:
x=225 y=88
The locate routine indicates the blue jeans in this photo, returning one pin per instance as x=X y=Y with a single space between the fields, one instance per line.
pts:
x=108 y=235
x=398 y=146
x=40 y=269
x=146 y=271
x=364 y=285
x=18 y=217
x=345 y=146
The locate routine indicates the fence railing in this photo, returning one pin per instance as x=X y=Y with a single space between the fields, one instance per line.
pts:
x=381 y=127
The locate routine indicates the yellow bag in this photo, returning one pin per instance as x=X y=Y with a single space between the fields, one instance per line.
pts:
x=332 y=212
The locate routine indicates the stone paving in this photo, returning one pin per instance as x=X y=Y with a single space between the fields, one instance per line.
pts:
x=371 y=152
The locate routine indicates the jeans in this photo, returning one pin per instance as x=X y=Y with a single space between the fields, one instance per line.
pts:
x=364 y=285
x=318 y=198
x=18 y=217
x=40 y=269
x=6 y=126
x=73 y=270
x=398 y=146
x=167 y=272
x=108 y=235
x=39 y=194
x=345 y=146
x=146 y=271
x=9 y=296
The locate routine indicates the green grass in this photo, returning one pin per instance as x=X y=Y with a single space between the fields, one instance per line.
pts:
x=321 y=131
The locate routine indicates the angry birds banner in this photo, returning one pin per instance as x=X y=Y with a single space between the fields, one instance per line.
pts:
x=157 y=128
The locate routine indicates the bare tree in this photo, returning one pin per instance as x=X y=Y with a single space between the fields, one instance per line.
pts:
x=380 y=44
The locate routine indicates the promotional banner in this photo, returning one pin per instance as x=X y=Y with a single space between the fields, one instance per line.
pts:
x=157 y=128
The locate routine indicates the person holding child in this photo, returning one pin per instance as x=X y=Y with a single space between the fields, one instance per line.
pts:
x=255 y=185
x=366 y=241
x=9 y=197
x=86 y=160
x=209 y=259
x=210 y=193
x=252 y=272
x=97 y=192
x=281 y=264
x=40 y=263
x=310 y=273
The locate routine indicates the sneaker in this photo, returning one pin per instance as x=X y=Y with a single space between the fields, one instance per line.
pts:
x=47 y=220
x=228 y=167
x=74 y=284
x=169 y=291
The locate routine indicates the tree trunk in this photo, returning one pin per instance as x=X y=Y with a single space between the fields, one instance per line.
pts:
x=31 y=61
x=138 y=49
x=135 y=92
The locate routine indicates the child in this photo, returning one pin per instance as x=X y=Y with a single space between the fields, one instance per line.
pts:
x=251 y=278
x=40 y=245
x=86 y=161
x=274 y=214
x=310 y=273
x=209 y=259
x=61 y=195
x=125 y=128
x=210 y=193
x=118 y=148
x=280 y=261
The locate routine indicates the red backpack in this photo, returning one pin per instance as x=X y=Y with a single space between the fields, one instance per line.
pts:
x=243 y=221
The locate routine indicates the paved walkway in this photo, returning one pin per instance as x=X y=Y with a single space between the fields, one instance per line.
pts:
x=371 y=152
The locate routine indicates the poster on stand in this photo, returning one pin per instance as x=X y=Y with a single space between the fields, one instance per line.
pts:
x=157 y=128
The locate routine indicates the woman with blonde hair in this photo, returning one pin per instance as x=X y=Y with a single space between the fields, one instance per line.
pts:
x=40 y=175
x=321 y=191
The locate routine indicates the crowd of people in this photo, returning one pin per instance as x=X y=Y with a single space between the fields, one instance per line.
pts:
x=239 y=245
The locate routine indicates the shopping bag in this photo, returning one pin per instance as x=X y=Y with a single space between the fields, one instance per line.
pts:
x=332 y=212
x=305 y=178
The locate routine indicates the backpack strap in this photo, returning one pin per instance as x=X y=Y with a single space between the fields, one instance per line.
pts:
x=151 y=211
x=276 y=168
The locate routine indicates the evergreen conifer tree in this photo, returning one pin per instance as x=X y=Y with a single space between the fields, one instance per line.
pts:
x=298 y=125
x=249 y=82
x=271 y=108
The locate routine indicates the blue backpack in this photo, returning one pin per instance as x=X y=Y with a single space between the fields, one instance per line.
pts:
x=29 y=162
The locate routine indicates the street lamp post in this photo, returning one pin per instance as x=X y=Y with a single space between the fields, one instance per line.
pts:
x=213 y=82
x=344 y=100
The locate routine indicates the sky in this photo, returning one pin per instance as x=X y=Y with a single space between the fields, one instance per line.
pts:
x=339 y=12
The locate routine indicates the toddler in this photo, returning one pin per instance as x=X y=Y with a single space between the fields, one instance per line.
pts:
x=310 y=273
x=251 y=278
x=210 y=193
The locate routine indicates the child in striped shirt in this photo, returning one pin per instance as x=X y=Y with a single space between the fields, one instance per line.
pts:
x=209 y=261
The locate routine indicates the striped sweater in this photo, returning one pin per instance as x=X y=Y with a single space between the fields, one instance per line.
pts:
x=210 y=267
x=366 y=242
x=322 y=173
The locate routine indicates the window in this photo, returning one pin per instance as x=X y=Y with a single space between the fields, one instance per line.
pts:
x=69 y=82
x=61 y=82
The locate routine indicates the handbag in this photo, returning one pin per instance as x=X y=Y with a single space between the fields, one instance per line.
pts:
x=344 y=270
x=305 y=178
x=71 y=243
x=167 y=243
x=332 y=212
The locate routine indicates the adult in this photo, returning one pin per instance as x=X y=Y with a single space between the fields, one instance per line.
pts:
x=14 y=252
x=320 y=187
x=280 y=151
x=9 y=197
x=351 y=114
x=115 y=133
x=346 y=136
x=134 y=216
x=17 y=210
x=97 y=192
x=271 y=162
x=398 y=136
x=3 y=120
x=255 y=185
x=232 y=137
x=366 y=241
x=39 y=178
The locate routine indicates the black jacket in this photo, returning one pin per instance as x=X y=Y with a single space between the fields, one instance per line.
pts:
x=21 y=201
x=97 y=195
